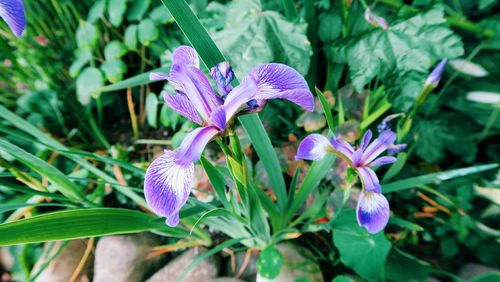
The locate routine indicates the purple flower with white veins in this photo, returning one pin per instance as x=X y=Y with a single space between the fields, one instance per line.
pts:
x=168 y=180
x=372 y=209
x=12 y=11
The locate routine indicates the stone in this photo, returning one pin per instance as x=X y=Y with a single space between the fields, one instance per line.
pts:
x=64 y=266
x=471 y=270
x=203 y=271
x=124 y=258
x=250 y=272
x=295 y=266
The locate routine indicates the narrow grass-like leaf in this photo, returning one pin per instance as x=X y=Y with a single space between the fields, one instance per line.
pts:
x=434 y=177
x=405 y=223
x=326 y=109
x=217 y=180
x=11 y=207
x=218 y=212
x=134 y=81
x=80 y=223
x=61 y=182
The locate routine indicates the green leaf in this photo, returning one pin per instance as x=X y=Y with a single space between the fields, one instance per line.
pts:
x=326 y=108
x=152 y=109
x=79 y=223
x=96 y=11
x=139 y=7
x=433 y=137
x=168 y=116
x=114 y=50
x=400 y=55
x=130 y=38
x=217 y=180
x=134 y=81
x=148 y=32
x=87 y=35
x=88 y=84
x=401 y=266
x=114 y=70
x=161 y=15
x=363 y=252
x=434 y=178
x=60 y=181
x=83 y=56
x=252 y=36
x=396 y=167
x=269 y=262
x=116 y=9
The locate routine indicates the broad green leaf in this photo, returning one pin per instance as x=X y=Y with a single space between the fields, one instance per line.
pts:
x=130 y=38
x=83 y=56
x=363 y=252
x=96 y=11
x=148 y=32
x=252 y=36
x=134 y=81
x=114 y=50
x=168 y=116
x=139 y=7
x=402 y=266
x=434 y=178
x=116 y=10
x=400 y=55
x=433 y=139
x=87 y=35
x=161 y=15
x=269 y=262
x=152 y=109
x=88 y=84
x=114 y=70
x=80 y=223
x=60 y=181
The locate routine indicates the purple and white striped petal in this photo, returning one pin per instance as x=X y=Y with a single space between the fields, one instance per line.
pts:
x=372 y=211
x=154 y=76
x=369 y=179
x=193 y=144
x=167 y=186
x=12 y=11
x=181 y=104
x=396 y=148
x=366 y=140
x=223 y=75
x=313 y=147
x=190 y=80
x=185 y=55
x=278 y=81
x=378 y=146
x=383 y=161
x=342 y=147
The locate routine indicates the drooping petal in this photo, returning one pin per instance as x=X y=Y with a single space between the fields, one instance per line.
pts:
x=378 y=146
x=223 y=75
x=157 y=76
x=342 y=147
x=372 y=211
x=167 y=186
x=369 y=179
x=278 y=81
x=366 y=139
x=313 y=147
x=181 y=104
x=193 y=144
x=383 y=161
x=194 y=83
x=12 y=11
x=185 y=55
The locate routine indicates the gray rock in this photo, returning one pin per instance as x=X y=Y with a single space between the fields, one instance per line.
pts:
x=472 y=270
x=203 y=271
x=250 y=272
x=124 y=257
x=64 y=266
x=295 y=266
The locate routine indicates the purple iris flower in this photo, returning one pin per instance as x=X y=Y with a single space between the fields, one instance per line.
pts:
x=372 y=209
x=12 y=11
x=168 y=180
x=435 y=75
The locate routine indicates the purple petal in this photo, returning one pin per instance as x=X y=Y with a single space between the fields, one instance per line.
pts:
x=356 y=157
x=378 y=146
x=375 y=20
x=194 y=143
x=383 y=161
x=372 y=211
x=366 y=140
x=369 y=179
x=181 y=104
x=185 y=55
x=313 y=147
x=435 y=75
x=223 y=75
x=157 y=76
x=167 y=186
x=396 y=148
x=190 y=80
x=278 y=81
x=12 y=11
x=342 y=147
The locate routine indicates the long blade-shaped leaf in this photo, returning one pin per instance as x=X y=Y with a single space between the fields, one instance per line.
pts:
x=211 y=55
x=80 y=223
